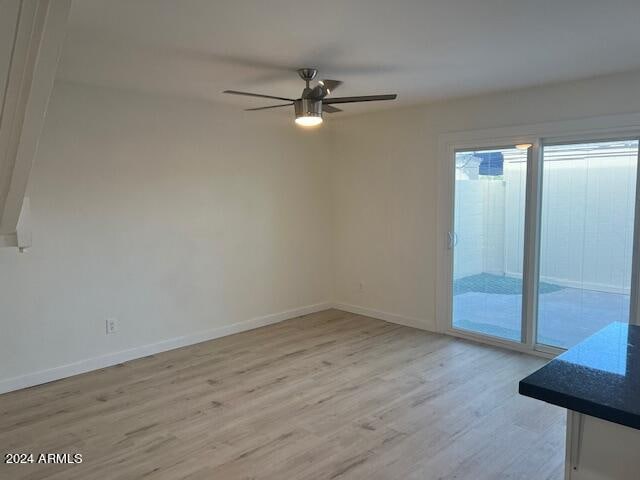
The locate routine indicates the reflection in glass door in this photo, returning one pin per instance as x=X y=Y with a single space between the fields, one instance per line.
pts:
x=586 y=239
x=488 y=240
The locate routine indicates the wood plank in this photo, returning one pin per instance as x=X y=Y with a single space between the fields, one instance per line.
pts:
x=330 y=395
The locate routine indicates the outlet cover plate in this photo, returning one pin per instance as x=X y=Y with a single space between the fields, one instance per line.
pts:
x=111 y=325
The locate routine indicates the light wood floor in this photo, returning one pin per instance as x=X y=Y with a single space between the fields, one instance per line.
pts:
x=326 y=396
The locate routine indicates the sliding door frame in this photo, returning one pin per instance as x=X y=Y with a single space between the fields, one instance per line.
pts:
x=634 y=309
x=582 y=130
x=531 y=250
x=446 y=207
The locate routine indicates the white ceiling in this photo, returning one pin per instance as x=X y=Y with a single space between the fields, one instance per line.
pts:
x=424 y=50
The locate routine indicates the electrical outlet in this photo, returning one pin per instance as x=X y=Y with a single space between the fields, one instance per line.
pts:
x=112 y=325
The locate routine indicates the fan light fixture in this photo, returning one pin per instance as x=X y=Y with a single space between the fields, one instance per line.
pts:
x=308 y=112
x=309 y=120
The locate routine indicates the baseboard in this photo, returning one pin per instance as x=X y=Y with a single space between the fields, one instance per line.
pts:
x=108 y=360
x=386 y=316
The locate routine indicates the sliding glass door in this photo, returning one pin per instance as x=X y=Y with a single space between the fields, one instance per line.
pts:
x=541 y=240
x=488 y=240
x=586 y=240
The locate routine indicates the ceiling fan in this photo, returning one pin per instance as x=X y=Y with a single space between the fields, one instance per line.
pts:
x=313 y=101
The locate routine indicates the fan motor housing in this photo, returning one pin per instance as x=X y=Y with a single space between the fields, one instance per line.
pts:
x=306 y=107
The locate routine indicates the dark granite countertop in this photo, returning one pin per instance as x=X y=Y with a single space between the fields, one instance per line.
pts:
x=598 y=377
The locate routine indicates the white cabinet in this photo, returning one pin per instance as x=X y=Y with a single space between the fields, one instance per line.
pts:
x=601 y=450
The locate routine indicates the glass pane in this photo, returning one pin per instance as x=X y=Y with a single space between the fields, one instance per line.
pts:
x=588 y=205
x=489 y=234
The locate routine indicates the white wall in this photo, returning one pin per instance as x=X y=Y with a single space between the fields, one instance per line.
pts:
x=470 y=227
x=494 y=247
x=480 y=227
x=587 y=223
x=385 y=184
x=176 y=217
x=515 y=176
x=179 y=217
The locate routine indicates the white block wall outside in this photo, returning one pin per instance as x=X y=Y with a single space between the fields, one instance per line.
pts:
x=587 y=223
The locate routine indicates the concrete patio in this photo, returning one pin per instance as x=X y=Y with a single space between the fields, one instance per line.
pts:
x=492 y=304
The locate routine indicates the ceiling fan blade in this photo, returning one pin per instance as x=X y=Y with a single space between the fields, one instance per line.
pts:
x=330 y=109
x=265 y=108
x=331 y=85
x=235 y=92
x=324 y=88
x=366 y=98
